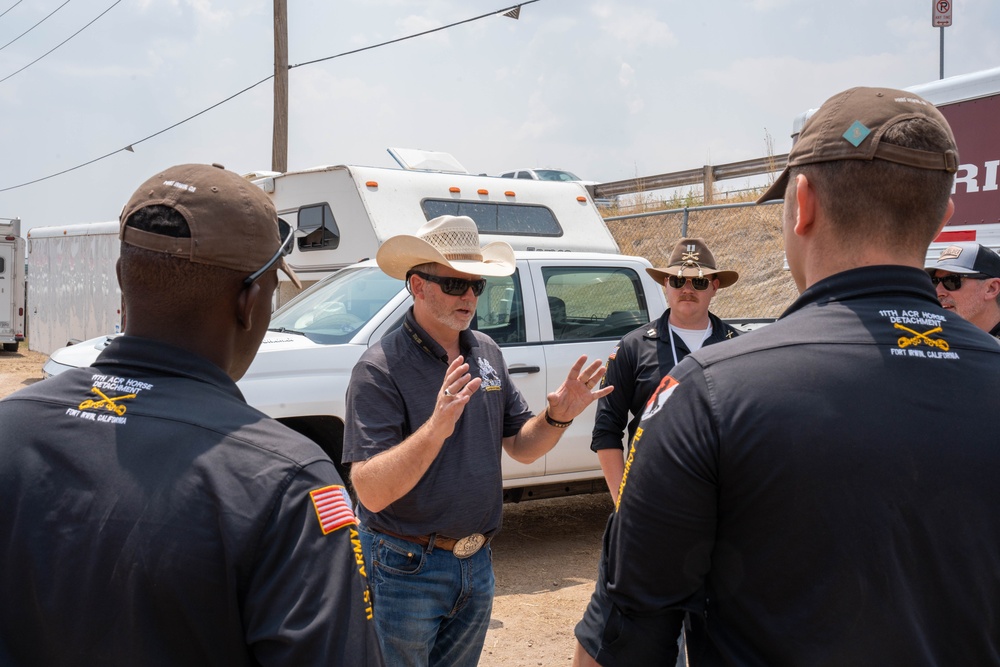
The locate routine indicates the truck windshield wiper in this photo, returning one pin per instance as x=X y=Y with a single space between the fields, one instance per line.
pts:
x=286 y=330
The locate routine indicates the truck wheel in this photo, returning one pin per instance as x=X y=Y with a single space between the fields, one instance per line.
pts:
x=10 y=347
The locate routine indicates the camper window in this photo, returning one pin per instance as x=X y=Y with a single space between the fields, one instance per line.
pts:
x=317 y=228
x=498 y=218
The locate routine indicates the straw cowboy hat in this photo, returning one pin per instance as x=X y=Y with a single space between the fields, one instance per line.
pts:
x=691 y=258
x=451 y=240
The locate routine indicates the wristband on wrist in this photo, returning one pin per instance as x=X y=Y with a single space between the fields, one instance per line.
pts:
x=552 y=422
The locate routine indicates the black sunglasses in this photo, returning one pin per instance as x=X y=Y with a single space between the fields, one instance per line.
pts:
x=953 y=281
x=285 y=233
x=699 y=284
x=452 y=286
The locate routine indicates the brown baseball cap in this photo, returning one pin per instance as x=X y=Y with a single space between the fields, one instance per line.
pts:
x=233 y=223
x=850 y=126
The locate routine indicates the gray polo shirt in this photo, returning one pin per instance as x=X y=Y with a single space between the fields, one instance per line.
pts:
x=393 y=389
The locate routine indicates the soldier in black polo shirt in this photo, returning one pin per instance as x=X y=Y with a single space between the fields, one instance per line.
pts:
x=808 y=491
x=150 y=516
x=644 y=356
x=430 y=406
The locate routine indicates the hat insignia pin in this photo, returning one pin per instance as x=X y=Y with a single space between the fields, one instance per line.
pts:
x=856 y=133
x=951 y=252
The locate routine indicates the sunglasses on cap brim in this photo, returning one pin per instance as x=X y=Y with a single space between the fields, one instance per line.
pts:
x=700 y=284
x=452 y=286
x=286 y=235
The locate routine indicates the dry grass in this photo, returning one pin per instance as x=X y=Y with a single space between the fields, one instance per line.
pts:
x=745 y=239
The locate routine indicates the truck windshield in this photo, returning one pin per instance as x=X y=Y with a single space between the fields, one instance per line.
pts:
x=333 y=310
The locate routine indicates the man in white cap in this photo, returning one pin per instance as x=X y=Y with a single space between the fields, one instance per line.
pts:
x=429 y=408
x=967 y=279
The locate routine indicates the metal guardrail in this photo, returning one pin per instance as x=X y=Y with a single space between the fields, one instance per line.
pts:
x=705 y=176
x=687 y=210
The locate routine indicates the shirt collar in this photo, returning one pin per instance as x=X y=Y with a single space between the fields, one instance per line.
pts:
x=866 y=281
x=134 y=352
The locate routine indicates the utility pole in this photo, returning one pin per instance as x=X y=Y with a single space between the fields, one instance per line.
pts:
x=279 y=141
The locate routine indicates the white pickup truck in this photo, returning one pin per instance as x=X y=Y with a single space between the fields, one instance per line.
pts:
x=554 y=308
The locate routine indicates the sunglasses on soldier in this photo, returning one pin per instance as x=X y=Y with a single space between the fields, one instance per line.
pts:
x=700 y=284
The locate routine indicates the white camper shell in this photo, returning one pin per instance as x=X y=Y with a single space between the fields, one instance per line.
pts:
x=11 y=285
x=73 y=289
x=342 y=214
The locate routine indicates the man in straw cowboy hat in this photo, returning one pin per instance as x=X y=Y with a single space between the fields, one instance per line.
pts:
x=799 y=489
x=645 y=355
x=429 y=408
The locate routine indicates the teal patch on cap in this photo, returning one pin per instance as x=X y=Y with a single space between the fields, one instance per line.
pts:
x=856 y=133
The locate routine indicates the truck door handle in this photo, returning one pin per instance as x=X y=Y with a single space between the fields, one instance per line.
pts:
x=523 y=369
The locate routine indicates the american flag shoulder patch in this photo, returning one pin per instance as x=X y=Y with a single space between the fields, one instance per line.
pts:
x=333 y=508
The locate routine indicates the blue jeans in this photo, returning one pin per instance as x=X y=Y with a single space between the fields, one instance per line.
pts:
x=430 y=608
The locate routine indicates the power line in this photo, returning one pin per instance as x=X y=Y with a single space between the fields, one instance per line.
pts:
x=135 y=143
x=419 y=34
x=62 y=42
x=248 y=88
x=34 y=26
x=11 y=7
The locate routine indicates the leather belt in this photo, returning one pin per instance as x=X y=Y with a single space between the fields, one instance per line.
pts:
x=461 y=548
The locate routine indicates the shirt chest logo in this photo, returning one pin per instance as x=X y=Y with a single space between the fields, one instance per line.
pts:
x=920 y=334
x=110 y=401
x=491 y=379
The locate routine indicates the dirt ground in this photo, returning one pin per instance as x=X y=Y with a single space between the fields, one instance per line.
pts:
x=19 y=369
x=545 y=560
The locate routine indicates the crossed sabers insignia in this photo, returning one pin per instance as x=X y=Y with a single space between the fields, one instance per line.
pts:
x=106 y=402
x=916 y=338
x=690 y=257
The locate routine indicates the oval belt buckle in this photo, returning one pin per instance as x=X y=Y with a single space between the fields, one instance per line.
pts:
x=469 y=545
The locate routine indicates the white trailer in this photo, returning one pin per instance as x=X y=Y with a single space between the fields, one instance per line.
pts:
x=73 y=290
x=11 y=285
x=971 y=104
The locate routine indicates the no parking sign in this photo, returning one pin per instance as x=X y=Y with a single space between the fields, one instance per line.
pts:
x=941 y=17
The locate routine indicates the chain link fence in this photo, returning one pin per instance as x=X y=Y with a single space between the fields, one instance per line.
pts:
x=744 y=237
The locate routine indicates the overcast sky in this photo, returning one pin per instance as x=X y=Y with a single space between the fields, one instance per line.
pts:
x=609 y=90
